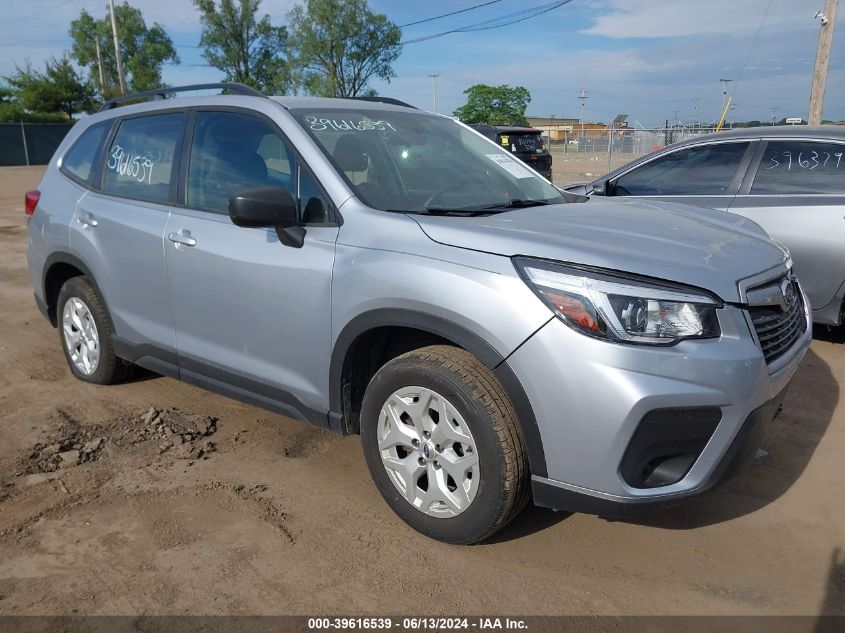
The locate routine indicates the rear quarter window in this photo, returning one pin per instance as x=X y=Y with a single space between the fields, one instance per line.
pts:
x=78 y=161
x=801 y=167
x=523 y=143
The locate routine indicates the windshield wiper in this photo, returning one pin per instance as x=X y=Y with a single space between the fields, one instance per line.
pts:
x=446 y=211
x=489 y=209
x=518 y=203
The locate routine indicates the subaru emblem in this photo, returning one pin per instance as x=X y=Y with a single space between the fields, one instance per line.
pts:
x=787 y=289
x=426 y=451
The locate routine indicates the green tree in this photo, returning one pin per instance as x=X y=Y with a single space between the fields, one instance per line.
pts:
x=337 y=46
x=144 y=50
x=248 y=50
x=58 y=89
x=496 y=105
x=10 y=110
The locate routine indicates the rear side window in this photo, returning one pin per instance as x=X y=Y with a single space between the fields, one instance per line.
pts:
x=801 y=167
x=705 y=170
x=79 y=160
x=139 y=162
x=531 y=143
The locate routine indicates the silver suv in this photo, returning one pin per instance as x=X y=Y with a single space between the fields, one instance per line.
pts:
x=374 y=269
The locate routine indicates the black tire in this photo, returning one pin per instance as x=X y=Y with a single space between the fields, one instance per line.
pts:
x=110 y=369
x=473 y=390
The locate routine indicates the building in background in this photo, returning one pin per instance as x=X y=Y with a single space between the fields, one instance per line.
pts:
x=554 y=128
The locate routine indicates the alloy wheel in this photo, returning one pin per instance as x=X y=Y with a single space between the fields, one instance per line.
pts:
x=81 y=337
x=428 y=452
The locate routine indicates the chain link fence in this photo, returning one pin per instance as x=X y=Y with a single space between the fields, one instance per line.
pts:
x=30 y=143
x=579 y=156
x=630 y=141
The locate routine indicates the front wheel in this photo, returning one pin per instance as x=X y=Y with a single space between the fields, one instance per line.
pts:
x=442 y=444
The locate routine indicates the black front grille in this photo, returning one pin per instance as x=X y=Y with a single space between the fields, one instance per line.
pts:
x=778 y=329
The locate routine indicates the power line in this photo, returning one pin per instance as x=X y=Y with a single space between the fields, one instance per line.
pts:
x=555 y=5
x=446 y=15
x=751 y=50
x=497 y=22
x=68 y=41
x=40 y=12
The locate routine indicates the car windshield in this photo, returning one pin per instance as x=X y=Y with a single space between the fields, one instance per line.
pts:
x=422 y=163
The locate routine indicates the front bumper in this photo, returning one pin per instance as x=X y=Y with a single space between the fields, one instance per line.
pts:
x=551 y=494
x=590 y=396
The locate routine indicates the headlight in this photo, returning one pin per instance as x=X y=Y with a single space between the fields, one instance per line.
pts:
x=615 y=308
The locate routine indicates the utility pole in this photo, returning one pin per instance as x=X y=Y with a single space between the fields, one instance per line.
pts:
x=724 y=83
x=583 y=97
x=774 y=114
x=434 y=77
x=100 y=63
x=828 y=19
x=118 y=59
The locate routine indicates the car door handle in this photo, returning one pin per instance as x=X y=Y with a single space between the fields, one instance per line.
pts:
x=86 y=219
x=182 y=237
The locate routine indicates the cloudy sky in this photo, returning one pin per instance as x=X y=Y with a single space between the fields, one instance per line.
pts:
x=644 y=58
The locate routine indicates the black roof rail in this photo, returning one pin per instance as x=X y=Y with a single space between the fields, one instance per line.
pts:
x=388 y=100
x=161 y=93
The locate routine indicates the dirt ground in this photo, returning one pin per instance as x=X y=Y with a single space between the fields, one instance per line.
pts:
x=570 y=167
x=171 y=500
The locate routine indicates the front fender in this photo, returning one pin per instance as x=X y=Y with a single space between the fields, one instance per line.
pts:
x=487 y=312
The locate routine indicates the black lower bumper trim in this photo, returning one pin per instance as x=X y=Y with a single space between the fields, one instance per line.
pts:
x=739 y=453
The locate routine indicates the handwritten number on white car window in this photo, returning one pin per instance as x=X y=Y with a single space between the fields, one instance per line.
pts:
x=801 y=167
x=785 y=158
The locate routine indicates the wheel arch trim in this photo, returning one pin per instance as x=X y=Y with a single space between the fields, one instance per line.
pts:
x=457 y=334
x=62 y=257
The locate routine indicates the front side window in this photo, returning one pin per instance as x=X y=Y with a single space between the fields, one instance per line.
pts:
x=231 y=153
x=139 y=162
x=416 y=163
x=79 y=160
x=313 y=208
x=801 y=167
x=706 y=170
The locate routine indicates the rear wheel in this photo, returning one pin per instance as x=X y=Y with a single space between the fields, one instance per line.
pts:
x=442 y=444
x=85 y=330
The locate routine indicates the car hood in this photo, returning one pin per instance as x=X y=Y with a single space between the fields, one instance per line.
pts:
x=698 y=247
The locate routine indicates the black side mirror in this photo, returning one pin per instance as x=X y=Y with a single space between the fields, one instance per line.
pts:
x=601 y=188
x=265 y=207
x=268 y=207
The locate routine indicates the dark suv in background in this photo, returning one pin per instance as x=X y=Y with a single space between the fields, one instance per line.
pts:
x=526 y=143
